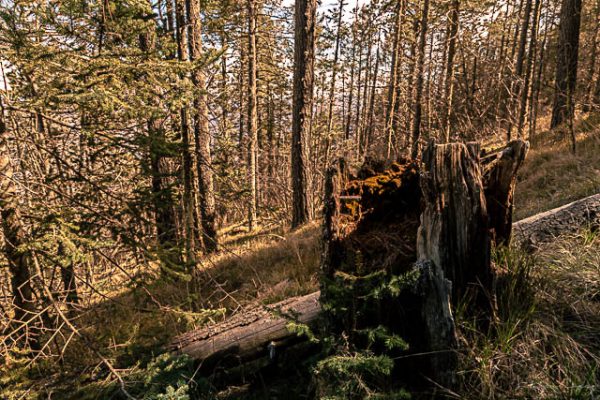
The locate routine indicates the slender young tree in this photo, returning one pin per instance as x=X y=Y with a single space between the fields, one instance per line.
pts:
x=517 y=84
x=370 y=126
x=419 y=64
x=189 y=221
x=304 y=55
x=162 y=196
x=15 y=249
x=334 y=70
x=392 y=96
x=528 y=69
x=252 y=117
x=453 y=21
x=204 y=169
x=589 y=81
x=353 y=68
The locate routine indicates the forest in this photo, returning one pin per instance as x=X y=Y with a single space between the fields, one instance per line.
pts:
x=299 y=199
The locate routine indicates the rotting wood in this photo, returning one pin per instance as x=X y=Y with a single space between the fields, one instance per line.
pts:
x=500 y=176
x=251 y=334
x=570 y=218
x=454 y=225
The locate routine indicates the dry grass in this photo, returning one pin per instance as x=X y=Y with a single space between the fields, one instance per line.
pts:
x=131 y=326
x=546 y=344
x=552 y=175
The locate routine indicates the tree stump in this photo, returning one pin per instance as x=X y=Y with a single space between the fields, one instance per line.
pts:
x=371 y=277
x=454 y=224
x=500 y=176
x=402 y=244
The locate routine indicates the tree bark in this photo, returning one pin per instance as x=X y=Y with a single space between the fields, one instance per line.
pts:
x=252 y=114
x=454 y=225
x=500 y=175
x=204 y=168
x=15 y=249
x=419 y=65
x=304 y=54
x=563 y=108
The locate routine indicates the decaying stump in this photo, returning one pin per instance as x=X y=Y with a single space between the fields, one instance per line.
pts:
x=371 y=226
x=401 y=245
x=454 y=225
x=246 y=336
x=500 y=175
x=570 y=218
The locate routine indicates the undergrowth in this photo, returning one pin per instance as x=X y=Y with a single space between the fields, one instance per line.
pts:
x=544 y=343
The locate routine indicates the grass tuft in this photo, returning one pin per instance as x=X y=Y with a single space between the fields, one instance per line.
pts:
x=545 y=343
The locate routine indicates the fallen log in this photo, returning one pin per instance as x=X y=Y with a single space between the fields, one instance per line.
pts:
x=259 y=331
x=570 y=218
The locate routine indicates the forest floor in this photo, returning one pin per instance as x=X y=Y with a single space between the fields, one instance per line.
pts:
x=548 y=346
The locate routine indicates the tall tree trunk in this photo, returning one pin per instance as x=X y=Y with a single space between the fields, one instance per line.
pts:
x=242 y=92
x=566 y=62
x=537 y=84
x=587 y=105
x=528 y=69
x=416 y=126
x=361 y=117
x=203 y=154
x=252 y=114
x=359 y=91
x=189 y=222
x=304 y=55
x=334 y=68
x=369 y=129
x=18 y=257
x=453 y=22
x=169 y=11
x=392 y=96
x=224 y=95
x=352 y=74
x=517 y=86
